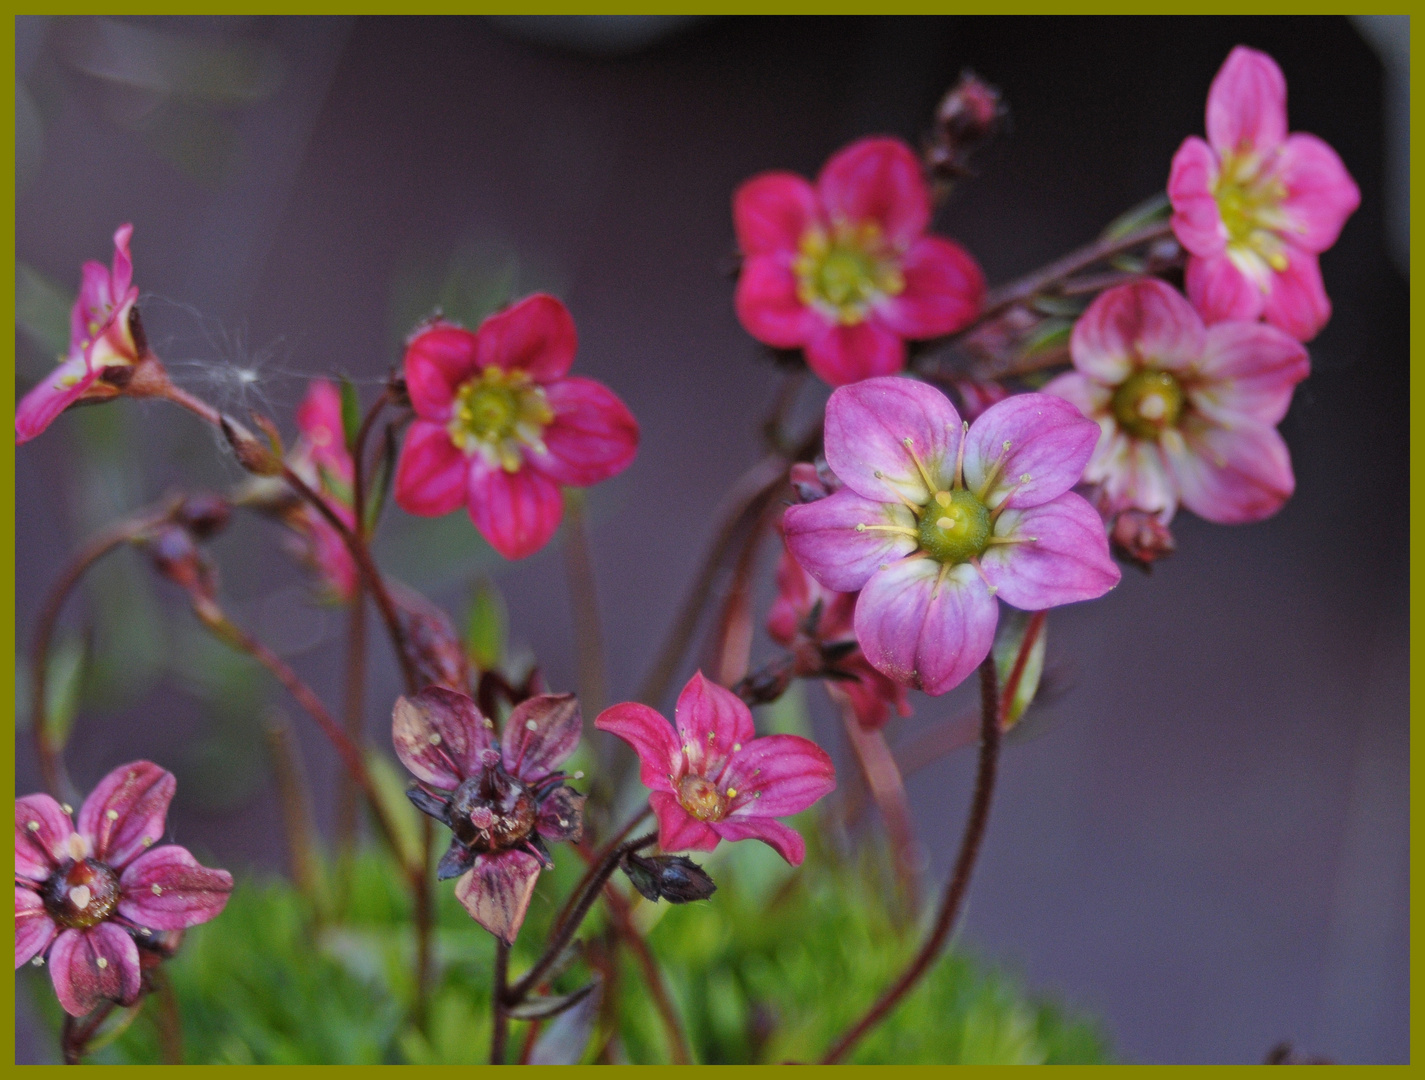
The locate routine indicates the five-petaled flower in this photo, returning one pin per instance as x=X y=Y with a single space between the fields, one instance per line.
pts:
x=1187 y=413
x=321 y=459
x=1255 y=206
x=87 y=894
x=501 y=803
x=103 y=335
x=712 y=779
x=500 y=426
x=844 y=270
x=937 y=518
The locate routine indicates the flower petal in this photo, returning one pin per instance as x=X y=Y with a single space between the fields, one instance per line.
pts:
x=872 y=695
x=771 y=212
x=60 y=389
x=166 y=889
x=1038 y=436
x=320 y=421
x=593 y=435
x=1320 y=192
x=561 y=815
x=540 y=734
x=1132 y=473
x=1144 y=323
x=536 y=336
x=42 y=837
x=497 y=891
x=1066 y=561
x=822 y=537
x=34 y=929
x=439 y=735
x=1231 y=476
x=678 y=830
x=91 y=966
x=652 y=738
x=1220 y=291
x=1246 y=104
x=926 y=628
x=1248 y=371
x=516 y=512
x=713 y=723
x=126 y=812
x=438 y=360
x=770 y=308
x=944 y=290
x=1298 y=302
x=783 y=839
x=1089 y=397
x=879 y=180
x=777 y=776
x=432 y=473
x=841 y=355
x=1197 y=222
x=867 y=426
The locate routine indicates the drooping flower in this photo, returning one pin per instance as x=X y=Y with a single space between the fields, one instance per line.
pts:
x=844 y=270
x=322 y=459
x=935 y=521
x=500 y=426
x=88 y=899
x=1255 y=206
x=104 y=334
x=713 y=779
x=1187 y=413
x=501 y=803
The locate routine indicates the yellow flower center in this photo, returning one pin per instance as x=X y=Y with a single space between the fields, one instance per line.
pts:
x=1148 y=402
x=701 y=798
x=842 y=273
x=1249 y=198
x=498 y=412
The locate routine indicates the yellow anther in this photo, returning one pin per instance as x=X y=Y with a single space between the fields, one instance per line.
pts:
x=33 y=826
x=943 y=498
x=530 y=725
x=156 y=889
x=732 y=793
x=434 y=738
x=945 y=523
x=736 y=747
x=102 y=963
x=112 y=815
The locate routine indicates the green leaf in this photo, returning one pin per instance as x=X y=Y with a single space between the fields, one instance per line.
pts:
x=67 y=663
x=542 y=1008
x=1009 y=644
x=1152 y=211
x=42 y=311
x=1049 y=336
x=350 y=413
x=486 y=627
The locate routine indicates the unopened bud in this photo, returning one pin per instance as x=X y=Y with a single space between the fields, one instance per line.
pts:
x=1141 y=538
x=204 y=515
x=968 y=116
x=252 y=455
x=768 y=683
x=176 y=556
x=675 y=878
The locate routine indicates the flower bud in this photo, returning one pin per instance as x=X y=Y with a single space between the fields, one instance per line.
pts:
x=968 y=116
x=1141 y=538
x=675 y=878
x=252 y=455
x=204 y=515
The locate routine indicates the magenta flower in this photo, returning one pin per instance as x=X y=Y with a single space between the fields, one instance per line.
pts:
x=323 y=461
x=500 y=426
x=1254 y=206
x=500 y=803
x=102 y=328
x=936 y=520
x=1186 y=413
x=713 y=779
x=85 y=895
x=844 y=270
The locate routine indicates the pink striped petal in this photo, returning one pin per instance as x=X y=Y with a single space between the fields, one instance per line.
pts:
x=1249 y=370
x=438 y=360
x=777 y=776
x=660 y=755
x=867 y=426
x=782 y=839
x=772 y=212
x=126 y=812
x=678 y=830
x=1298 y=302
x=1197 y=222
x=1133 y=473
x=496 y=891
x=1065 y=560
x=841 y=355
x=1231 y=476
x=540 y=734
x=823 y=538
x=1246 y=104
x=711 y=721
x=42 y=837
x=432 y=475
x=1089 y=397
x=60 y=389
x=593 y=435
x=1145 y=323
x=944 y=290
x=439 y=735
x=516 y=512
x=1220 y=291
x=91 y=966
x=1320 y=192
x=535 y=335
x=769 y=307
x=166 y=889
x=1038 y=436
x=879 y=180
x=34 y=929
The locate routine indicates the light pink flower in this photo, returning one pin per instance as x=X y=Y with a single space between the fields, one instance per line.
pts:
x=1186 y=413
x=1254 y=206
x=935 y=521
x=714 y=779
x=85 y=896
x=844 y=270
x=102 y=327
x=500 y=803
x=323 y=461
x=500 y=426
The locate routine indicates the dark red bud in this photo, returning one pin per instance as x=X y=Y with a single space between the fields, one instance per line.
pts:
x=1141 y=538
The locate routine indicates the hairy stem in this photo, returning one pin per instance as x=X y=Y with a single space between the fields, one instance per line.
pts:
x=959 y=881
x=168 y=1019
x=501 y=1032
x=76 y=1031
x=652 y=976
x=594 y=861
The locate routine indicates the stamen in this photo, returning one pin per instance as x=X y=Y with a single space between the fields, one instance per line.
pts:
x=1004 y=503
x=924 y=475
x=1012 y=540
x=993 y=474
x=940 y=579
x=904 y=529
x=960 y=456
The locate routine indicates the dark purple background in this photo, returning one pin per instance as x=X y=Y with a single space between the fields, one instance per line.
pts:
x=1203 y=841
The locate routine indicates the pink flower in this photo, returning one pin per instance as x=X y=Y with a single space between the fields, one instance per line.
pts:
x=1254 y=206
x=87 y=895
x=714 y=779
x=935 y=521
x=102 y=335
x=844 y=270
x=1187 y=414
x=322 y=460
x=816 y=624
x=500 y=426
x=500 y=803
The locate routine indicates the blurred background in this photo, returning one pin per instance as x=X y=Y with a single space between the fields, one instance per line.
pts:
x=1202 y=839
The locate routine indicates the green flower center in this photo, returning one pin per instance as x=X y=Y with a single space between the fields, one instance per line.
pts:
x=955 y=526
x=1148 y=403
x=844 y=272
x=497 y=413
x=1249 y=201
